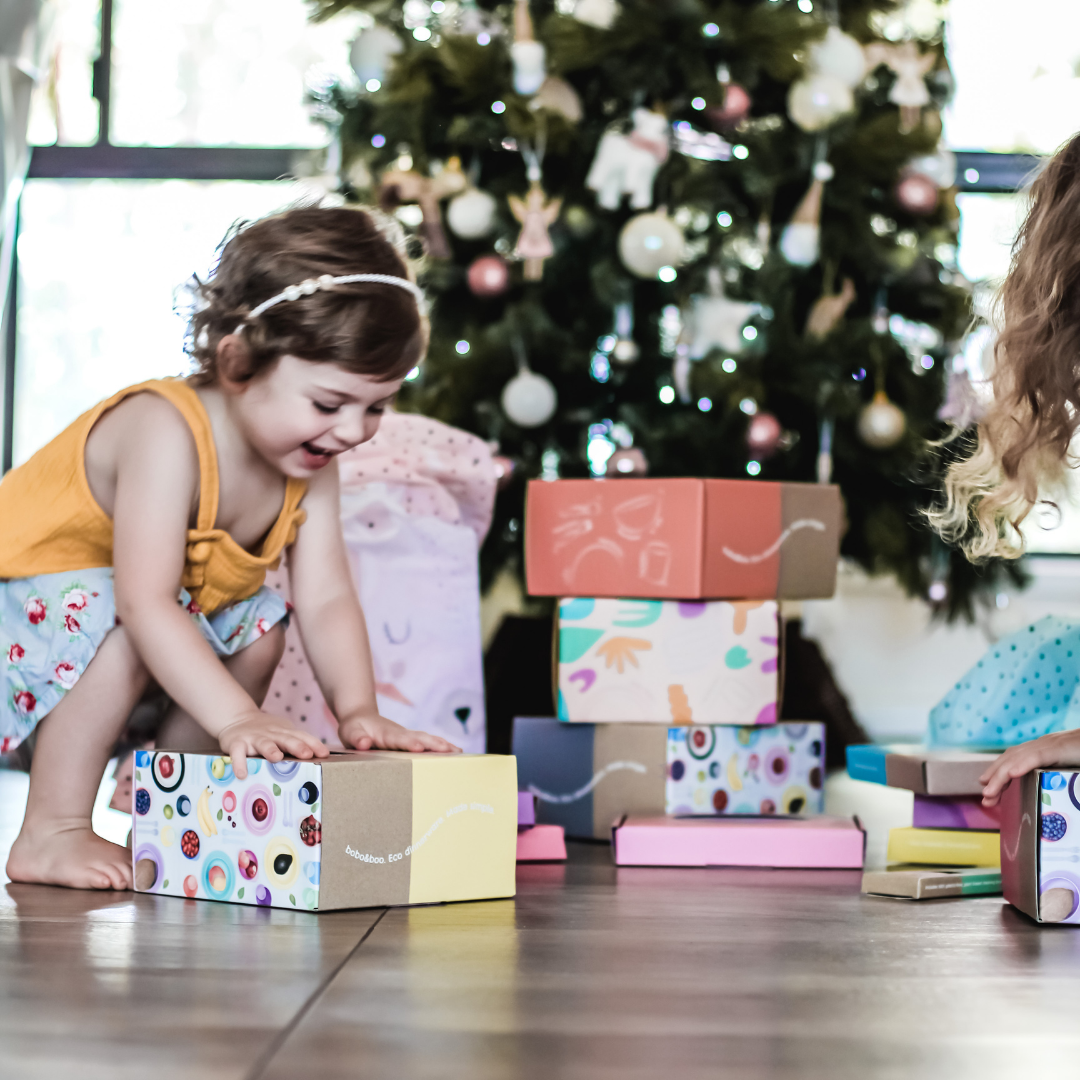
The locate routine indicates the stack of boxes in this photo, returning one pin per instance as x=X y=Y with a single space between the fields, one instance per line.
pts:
x=667 y=669
x=953 y=840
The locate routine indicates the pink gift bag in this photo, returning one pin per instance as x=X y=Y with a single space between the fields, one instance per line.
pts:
x=416 y=503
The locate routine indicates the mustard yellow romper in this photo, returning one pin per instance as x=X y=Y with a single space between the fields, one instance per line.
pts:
x=56 y=576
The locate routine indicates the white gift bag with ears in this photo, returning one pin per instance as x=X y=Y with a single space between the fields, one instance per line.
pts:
x=416 y=503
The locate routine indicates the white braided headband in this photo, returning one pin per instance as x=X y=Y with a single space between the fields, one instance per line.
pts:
x=306 y=288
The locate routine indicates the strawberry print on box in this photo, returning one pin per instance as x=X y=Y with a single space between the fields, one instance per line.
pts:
x=722 y=770
x=667 y=661
x=201 y=833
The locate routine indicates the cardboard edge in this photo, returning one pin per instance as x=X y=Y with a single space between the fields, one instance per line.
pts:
x=905 y=771
x=1019 y=841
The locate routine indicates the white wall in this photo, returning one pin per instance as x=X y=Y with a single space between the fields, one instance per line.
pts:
x=895 y=662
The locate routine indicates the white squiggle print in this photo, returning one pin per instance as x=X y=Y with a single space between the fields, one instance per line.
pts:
x=573 y=796
x=773 y=548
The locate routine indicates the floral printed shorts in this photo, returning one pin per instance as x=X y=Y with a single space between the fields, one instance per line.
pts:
x=52 y=625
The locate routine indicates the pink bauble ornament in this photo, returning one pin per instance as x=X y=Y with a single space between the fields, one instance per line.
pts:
x=629 y=462
x=735 y=109
x=763 y=435
x=917 y=194
x=489 y=276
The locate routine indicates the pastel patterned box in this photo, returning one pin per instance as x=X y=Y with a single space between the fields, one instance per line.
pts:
x=355 y=830
x=763 y=770
x=668 y=661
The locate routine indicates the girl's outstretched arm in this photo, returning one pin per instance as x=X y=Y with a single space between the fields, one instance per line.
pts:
x=1061 y=748
x=157 y=477
x=333 y=630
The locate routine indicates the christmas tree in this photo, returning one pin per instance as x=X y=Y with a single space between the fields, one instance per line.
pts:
x=693 y=238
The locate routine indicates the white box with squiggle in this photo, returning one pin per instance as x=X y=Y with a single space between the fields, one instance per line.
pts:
x=668 y=661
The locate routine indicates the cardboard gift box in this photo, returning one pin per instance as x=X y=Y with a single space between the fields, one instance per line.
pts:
x=667 y=661
x=944 y=847
x=766 y=770
x=780 y=843
x=584 y=776
x=931 y=884
x=1040 y=845
x=954 y=812
x=682 y=539
x=357 y=830
x=541 y=843
x=926 y=772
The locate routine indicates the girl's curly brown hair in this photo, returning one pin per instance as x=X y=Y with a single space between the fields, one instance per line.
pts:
x=1024 y=439
x=372 y=329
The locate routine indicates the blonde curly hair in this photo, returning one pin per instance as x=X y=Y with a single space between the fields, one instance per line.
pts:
x=1024 y=438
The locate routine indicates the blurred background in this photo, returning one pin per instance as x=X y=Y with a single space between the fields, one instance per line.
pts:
x=152 y=127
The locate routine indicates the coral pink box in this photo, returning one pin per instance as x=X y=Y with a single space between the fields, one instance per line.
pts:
x=821 y=843
x=541 y=843
x=682 y=539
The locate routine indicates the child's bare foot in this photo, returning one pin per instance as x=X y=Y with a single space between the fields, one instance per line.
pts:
x=75 y=857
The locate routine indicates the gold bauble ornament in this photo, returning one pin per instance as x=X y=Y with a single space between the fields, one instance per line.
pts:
x=881 y=423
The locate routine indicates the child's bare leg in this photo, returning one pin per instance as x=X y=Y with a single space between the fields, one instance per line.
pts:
x=57 y=845
x=253 y=668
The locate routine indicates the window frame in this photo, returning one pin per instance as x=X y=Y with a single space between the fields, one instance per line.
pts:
x=994 y=173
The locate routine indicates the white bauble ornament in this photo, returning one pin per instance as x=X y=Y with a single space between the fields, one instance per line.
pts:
x=800 y=243
x=372 y=52
x=598 y=13
x=471 y=215
x=840 y=56
x=881 y=423
x=529 y=399
x=648 y=242
x=818 y=100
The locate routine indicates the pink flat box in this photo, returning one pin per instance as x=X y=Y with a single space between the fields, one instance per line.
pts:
x=541 y=843
x=803 y=843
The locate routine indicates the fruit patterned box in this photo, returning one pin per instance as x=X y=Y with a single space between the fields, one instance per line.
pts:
x=359 y=829
x=209 y=835
x=668 y=661
x=1040 y=844
x=763 y=770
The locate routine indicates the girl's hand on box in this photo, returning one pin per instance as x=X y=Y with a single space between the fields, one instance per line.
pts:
x=378 y=733
x=1061 y=748
x=262 y=735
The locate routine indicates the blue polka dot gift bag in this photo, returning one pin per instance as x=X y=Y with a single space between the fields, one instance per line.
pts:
x=1024 y=687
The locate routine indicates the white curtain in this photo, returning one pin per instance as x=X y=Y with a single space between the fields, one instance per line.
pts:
x=20 y=41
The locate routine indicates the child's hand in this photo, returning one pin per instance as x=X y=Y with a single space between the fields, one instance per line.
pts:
x=378 y=733
x=1061 y=748
x=262 y=735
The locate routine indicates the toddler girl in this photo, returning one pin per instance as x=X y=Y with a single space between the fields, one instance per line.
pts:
x=1024 y=439
x=193 y=488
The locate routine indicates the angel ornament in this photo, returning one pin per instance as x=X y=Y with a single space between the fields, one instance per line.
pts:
x=911 y=68
x=536 y=213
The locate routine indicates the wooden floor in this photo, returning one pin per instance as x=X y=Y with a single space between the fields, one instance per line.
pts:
x=592 y=972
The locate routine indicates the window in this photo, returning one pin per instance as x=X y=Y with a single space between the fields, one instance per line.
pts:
x=158 y=127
